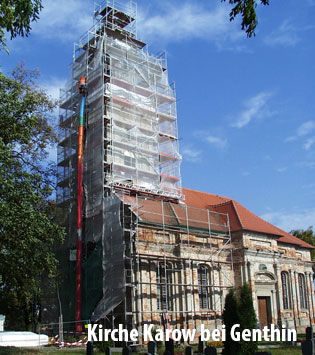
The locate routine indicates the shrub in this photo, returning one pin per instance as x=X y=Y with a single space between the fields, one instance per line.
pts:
x=231 y=316
x=248 y=319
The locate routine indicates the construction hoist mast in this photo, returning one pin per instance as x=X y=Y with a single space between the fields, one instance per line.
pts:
x=78 y=289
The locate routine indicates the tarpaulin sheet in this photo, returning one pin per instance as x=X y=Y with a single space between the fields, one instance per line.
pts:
x=113 y=259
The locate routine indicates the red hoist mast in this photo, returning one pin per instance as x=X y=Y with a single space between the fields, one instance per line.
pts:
x=78 y=289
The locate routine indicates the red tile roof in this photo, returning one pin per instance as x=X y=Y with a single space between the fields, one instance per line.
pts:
x=177 y=214
x=240 y=217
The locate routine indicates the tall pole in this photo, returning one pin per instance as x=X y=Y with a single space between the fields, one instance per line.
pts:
x=78 y=290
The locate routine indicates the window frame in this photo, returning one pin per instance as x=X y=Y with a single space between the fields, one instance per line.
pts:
x=286 y=299
x=204 y=292
x=164 y=286
x=302 y=291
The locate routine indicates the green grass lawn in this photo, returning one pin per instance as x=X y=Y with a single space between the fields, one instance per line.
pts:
x=48 y=351
x=69 y=351
x=286 y=351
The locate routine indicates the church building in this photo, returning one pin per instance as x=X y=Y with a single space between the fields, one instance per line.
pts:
x=140 y=249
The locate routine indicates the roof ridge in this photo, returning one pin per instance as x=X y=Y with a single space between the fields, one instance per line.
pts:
x=231 y=202
x=249 y=221
x=221 y=204
x=270 y=224
x=174 y=212
x=281 y=232
x=299 y=241
x=237 y=214
x=207 y=193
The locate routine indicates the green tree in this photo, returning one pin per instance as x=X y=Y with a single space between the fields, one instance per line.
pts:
x=307 y=236
x=247 y=9
x=16 y=17
x=231 y=316
x=248 y=319
x=27 y=228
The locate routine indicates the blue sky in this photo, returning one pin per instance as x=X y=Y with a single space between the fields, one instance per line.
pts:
x=246 y=108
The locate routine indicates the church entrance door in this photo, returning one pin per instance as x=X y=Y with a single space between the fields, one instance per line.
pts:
x=264 y=311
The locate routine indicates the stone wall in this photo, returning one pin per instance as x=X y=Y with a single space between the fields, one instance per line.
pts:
x=182 y=253
x=264 y=259
x=257 y=259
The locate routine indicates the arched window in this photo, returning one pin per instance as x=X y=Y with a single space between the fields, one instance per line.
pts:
x=164 y=287
x=285 y=290
x=203 y=287
x=302 y=291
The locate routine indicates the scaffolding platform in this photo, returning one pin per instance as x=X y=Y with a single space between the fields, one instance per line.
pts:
x=139 y=236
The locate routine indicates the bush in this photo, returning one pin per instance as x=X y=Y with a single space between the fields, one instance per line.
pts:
x=231 y=316
x=215 y=344
x=248 y=319
x=242 y=313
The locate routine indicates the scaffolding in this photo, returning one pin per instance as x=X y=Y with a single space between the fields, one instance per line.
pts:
x=132 y=185
x=164 y=246
x=131 y=110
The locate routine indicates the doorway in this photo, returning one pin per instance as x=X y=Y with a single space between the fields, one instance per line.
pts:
x=264 y=311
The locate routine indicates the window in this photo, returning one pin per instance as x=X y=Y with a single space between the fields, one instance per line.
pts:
x=285 y=290
x=203 y=287
x=164 y=287
x=303 y=303
x=262 y=267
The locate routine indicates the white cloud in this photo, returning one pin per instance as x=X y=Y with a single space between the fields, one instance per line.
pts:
x=254 y=107
x=218 y=142
x=308 y=143
x=291 y=220
x=306 y=128
x=282 y=170
x=303 y=130
x=62 y=20
x=291 y=139
x=67 y=21
x=308 y=186
x=188 y=21
x=215 y=138
x=285 y=35
x=307 y=164
x=191 y=154
x=246 y=173
x=53 y=86
x=267 y=157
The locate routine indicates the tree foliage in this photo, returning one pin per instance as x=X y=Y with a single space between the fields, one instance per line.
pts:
x=248 y=319
x=307 y=236
x=27 y=228
x=247 y=9
x=16 y=17
x=239 y=312
x=231 y=316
